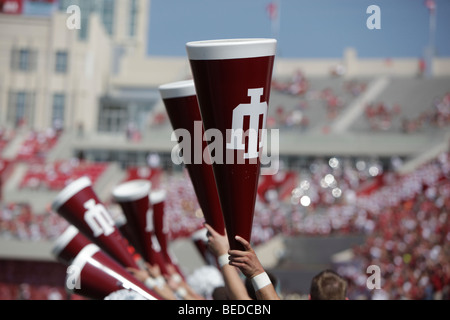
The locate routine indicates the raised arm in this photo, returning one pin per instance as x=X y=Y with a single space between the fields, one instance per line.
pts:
x=251 y=267
x=153 y=279
x=219 y=246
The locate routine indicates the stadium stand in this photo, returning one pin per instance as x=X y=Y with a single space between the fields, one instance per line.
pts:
x=55 y=176
x=37 y=145
x=363 y=149
x=416 y=109
x=318 y=195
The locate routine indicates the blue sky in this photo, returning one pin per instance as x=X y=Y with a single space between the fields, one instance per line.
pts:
x=308 y=28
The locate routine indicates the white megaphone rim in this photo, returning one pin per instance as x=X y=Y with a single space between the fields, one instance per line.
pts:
x=157 y=196
x=63 y=240
x=69 y=191
x=85 y=256
x=177 y=89
x=132 y=190
x=222 y=49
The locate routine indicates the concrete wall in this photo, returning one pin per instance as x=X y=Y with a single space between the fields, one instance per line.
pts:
x=153 y=71
x=84 y=82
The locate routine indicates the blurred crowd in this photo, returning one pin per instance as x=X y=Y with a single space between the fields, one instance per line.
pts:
x=37 y=144
x=56 y=175
x=19 y=222
x=438 y=116
x=405 y=219
x=292 y=202
x=332 y=100
x=25 y=291
x=381 y=116
x=408 y=237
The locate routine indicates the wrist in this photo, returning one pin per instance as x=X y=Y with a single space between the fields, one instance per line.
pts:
x=176 y=278
x=181 y=292
x=158 y=282
x=223 y=260
x=260 y=281
x=150 y=282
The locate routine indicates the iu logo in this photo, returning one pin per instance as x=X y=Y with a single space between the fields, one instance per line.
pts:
x=254 y=110
x=98 y=219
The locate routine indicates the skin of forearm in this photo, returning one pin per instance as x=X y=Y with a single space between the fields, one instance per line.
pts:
x=233 y=283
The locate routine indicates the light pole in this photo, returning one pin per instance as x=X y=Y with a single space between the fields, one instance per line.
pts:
x=431 y=49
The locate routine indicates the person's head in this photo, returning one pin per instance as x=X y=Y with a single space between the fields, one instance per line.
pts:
x=220 y=293
x=328 y=285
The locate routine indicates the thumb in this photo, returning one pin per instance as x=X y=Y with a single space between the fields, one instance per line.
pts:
x=244 y=242
x=210 y=230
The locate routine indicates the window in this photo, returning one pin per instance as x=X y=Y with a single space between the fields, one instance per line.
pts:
x=133 y=16
x=20 y=107
x=58 y=109
x=113 y=117
x=107 y=15
x=61 y=62
x=23 y=59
